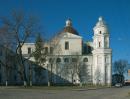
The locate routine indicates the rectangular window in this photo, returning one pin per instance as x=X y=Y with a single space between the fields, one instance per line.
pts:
x=66 y=45
x=29 y=50
x=74 y=59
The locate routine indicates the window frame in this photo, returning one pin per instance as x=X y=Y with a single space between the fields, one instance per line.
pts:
x=66 y=45
x=29 y=50
x=85 y=59
x=58 y=60
x=66 y=60
x=74 y=60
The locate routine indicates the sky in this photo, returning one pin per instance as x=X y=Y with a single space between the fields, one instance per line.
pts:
x=84 y=15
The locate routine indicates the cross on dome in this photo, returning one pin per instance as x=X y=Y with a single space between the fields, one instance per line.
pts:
x=100 y=18
x=68 y=22
x=101 y=22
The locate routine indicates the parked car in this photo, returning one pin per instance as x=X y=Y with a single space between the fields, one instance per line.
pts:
x=118 y=85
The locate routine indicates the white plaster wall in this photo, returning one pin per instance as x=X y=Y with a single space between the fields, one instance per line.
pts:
x=100 y=53
x=75 y=45
x=103 y=29
x=26 y=46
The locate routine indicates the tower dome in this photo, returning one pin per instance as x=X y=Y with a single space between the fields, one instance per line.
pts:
x=68 y=28
x=100 y=22
x=101 y=27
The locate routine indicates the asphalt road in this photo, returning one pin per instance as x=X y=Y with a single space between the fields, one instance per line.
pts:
x=41 y=93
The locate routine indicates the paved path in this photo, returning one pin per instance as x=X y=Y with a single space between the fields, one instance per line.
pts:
x=108 y=93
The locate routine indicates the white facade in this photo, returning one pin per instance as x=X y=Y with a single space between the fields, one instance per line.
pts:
x=68 y=44
x=102 y=54
x=72 y=40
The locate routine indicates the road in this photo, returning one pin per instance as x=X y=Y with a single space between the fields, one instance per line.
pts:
x=41 y=93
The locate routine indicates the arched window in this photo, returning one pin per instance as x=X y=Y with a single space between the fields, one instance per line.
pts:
x=58 y=60
x=100 y=32
x=85 y=60
x=66 y=60
x=99 y=43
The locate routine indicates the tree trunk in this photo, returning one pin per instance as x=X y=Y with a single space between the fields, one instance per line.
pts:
x=23 y=67
x=30 y=83
x=6 y=83
x=30 y=74
x=25 y=83
x=48 y=84
x=51 y=75
x=48 y=74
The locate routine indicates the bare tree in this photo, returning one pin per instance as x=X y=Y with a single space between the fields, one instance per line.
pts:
x=6 y=45
x=120 y=67
x=53 y=55
x=19 y=28
x=98 y=77
x=79 y=68
x=85 y=73
x=7 y=63
x=39 y=56
x=77 y=62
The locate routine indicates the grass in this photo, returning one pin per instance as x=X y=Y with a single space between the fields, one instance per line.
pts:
x=74 y=87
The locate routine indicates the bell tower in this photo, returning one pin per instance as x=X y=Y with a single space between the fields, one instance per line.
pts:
x=101 y=54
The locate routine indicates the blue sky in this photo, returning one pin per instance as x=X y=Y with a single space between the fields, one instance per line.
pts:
x=84 y=14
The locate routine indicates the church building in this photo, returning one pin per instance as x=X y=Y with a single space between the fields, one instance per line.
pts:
x=73 y=60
